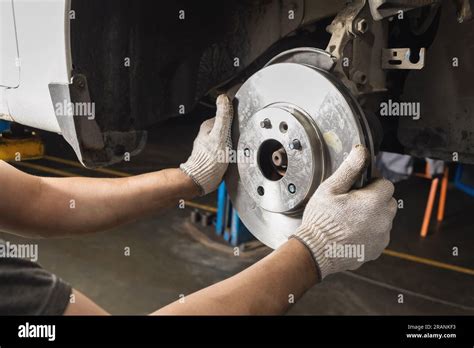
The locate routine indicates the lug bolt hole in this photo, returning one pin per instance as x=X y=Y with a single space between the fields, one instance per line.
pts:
x=266 y=123
x=283 y=127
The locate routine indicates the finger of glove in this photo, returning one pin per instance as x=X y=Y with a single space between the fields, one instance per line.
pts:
x=393 y=207
x=206 y=127
x=380 y=243
x=224 y=115
x=381 y=190
x=348 y=172
x=384 y=237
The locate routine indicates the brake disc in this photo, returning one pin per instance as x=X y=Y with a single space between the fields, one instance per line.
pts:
x=294 y=125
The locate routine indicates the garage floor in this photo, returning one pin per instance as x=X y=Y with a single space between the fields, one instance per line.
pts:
x=166 y=260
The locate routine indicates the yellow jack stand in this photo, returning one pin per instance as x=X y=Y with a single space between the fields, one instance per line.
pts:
x=19 y=149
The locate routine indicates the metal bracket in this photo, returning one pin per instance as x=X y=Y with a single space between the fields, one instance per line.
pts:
x=93 y=146
x=399 y=59
x=381 y=9
x=356 y=43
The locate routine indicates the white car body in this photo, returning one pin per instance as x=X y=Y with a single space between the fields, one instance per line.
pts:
x=34 y=52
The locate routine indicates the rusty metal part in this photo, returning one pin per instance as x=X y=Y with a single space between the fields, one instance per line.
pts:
x=381 y=9
x=356 y=43
x=399 y=58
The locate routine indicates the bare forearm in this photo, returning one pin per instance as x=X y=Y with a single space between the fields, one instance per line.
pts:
x=269 y=287
x=71 y=206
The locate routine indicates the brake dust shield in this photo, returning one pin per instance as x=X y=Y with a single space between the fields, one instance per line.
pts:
x=294 y=125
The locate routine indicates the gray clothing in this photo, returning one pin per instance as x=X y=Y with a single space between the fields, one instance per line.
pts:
x=28 y=289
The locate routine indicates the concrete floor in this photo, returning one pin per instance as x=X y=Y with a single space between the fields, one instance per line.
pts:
x=166 y=261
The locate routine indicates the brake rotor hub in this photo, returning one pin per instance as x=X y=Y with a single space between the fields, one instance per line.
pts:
x=295 y=123
x=288 y=151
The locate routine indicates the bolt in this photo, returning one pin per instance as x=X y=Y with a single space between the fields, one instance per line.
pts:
x=260 y=191
x=80 y=81
x=291 y=188
x=362 y=26
x=266 y=123
x=359 y=77
x=247 y=152
x=295 y=145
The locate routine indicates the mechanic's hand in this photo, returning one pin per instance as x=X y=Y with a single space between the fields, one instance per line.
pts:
x=344 y=228
x=209 y=159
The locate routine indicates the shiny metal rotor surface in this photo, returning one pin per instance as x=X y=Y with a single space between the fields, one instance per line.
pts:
x=295 y=125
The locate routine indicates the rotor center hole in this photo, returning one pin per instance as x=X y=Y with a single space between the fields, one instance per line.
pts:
x=272 y=160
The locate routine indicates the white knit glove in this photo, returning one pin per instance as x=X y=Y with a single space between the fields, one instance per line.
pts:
x=344 y=228
x=208 y=161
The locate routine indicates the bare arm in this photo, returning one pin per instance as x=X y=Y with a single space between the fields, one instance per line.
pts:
x=266 y=288
x=53 y=207
x=361 y=217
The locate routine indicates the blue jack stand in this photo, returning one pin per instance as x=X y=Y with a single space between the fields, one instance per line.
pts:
x=228 y=223
x=4 y=126
x=463 y=179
